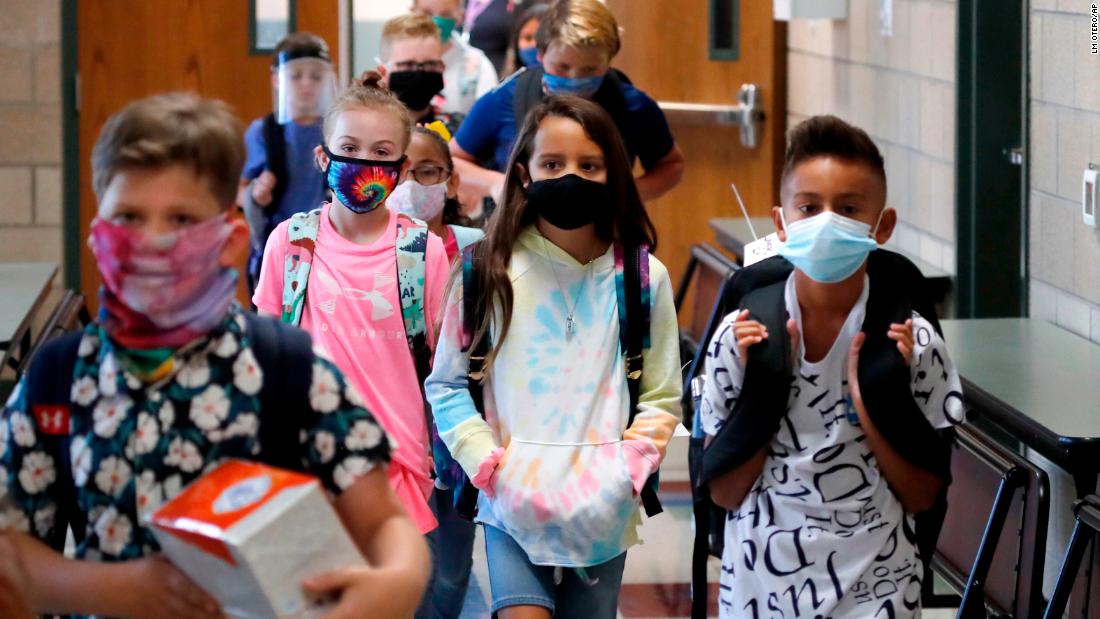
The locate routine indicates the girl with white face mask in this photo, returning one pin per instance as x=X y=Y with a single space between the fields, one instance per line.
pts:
x=429 y=191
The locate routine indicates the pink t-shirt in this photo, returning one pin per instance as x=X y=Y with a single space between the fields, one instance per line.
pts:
x=353 y=311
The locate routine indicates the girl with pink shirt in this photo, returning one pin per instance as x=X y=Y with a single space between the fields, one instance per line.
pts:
x=350 y=257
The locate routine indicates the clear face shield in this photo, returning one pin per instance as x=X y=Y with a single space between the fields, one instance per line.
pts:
x=304 y=87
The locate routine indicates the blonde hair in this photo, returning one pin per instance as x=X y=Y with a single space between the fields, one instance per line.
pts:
x=368 y=93
x=177 y=128
x=408 y=26
x=579 y=23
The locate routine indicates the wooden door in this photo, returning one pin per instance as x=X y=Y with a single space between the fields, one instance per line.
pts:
x=665 y=53
x=129 y=49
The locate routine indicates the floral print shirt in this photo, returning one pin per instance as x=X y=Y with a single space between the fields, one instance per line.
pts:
x=134 y=446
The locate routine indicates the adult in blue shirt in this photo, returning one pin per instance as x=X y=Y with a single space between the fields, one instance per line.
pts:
x=577 y=40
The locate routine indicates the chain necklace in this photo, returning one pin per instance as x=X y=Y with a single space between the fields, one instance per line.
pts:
x=570 y=318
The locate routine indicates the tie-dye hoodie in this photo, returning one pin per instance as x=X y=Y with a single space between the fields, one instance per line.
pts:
x=559 y=469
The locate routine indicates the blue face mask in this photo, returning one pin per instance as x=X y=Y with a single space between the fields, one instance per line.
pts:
x=529 y=57
x=828 y=247
x=579 y=86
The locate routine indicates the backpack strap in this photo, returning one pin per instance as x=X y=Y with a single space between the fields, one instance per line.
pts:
x=275 y=155
x=49 y=382
x=285 y=355
x=412 y=260
x=632 y=289
x=766 y=387
x=527 y=95
x=768 y=371
x=474 y=307
x=883 y=373
x=301 y=243
x=412 y=250
x=610 y=97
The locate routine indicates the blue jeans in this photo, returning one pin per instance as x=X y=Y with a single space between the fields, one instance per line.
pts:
x=452 y=548
x=515 y=581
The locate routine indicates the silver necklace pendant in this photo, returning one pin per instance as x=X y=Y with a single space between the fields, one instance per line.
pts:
x=570 y=326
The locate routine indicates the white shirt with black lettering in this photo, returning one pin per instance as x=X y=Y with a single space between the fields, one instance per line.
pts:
x=821 y=534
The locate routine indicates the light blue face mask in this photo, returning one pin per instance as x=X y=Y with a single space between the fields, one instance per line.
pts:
x=828 y=247
x=579 y=86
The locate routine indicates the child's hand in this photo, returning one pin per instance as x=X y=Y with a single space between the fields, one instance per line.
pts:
x=13 y=582
x=903 y=335
x=749 y=332
x=365 y=591
x=263 y=187
x=487 y=470
x=159 y=590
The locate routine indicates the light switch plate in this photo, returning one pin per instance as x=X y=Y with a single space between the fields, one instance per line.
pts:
x=1089 y=189
x=787 y=10
x=886 y=18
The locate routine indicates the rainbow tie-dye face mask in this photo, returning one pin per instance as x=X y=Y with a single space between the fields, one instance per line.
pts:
x=362 y=185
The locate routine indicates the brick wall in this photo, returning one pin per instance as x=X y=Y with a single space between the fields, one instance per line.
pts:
x=901 y=90
x=30 y=123
x=1065 y=138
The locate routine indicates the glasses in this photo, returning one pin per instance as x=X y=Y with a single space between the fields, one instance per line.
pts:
x=433 y=66
x=430 y=174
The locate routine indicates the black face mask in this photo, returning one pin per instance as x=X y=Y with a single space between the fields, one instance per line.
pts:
x=416 y=88
x=569 y=202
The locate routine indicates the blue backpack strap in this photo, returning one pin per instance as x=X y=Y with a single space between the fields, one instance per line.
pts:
x=301 y=243
x=285 y=355
x=49 y=382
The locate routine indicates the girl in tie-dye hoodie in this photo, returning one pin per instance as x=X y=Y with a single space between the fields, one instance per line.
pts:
x=559 y=470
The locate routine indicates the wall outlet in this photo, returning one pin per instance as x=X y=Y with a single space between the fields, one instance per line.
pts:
x=1088 y=195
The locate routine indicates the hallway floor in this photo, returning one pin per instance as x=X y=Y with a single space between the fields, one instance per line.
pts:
x=656 y=584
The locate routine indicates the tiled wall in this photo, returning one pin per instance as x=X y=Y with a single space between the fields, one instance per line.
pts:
x=901 y=89
x=1065 y=138
x=30 y=126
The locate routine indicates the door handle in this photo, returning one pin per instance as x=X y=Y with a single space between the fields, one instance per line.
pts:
x=747 y=114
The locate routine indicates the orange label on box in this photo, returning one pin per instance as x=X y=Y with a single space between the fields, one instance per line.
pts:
x=203 y=512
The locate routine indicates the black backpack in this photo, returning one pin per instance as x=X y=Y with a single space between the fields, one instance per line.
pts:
x=275 y=153
x=897 y=289
x=633 y=333
x=284 y=353
x=610 y=97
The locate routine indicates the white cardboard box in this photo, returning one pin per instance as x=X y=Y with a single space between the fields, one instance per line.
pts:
x=248 y=534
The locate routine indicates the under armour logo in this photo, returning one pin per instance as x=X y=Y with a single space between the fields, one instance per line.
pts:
x=380 y=304
x=52 y=419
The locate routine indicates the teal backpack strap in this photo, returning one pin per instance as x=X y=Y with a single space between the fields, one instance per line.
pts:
x=412 y=250
x=301 y=243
